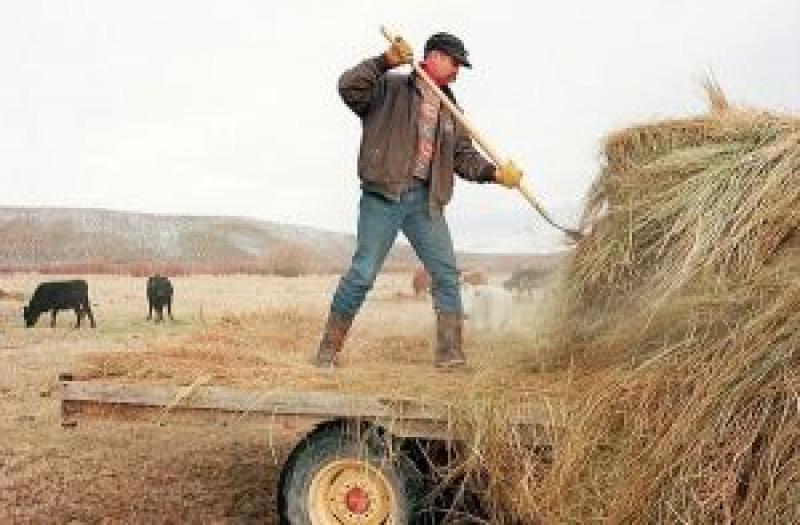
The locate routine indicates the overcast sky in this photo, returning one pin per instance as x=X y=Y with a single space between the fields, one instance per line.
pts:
x=230 y=107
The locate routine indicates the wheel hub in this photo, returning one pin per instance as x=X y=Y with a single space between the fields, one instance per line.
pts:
x=351 y=491
x=357 y=500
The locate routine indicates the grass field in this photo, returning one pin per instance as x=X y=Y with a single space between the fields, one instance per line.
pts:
x=252 y=331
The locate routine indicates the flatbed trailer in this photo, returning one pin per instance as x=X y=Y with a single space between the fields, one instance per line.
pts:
x=356 y=462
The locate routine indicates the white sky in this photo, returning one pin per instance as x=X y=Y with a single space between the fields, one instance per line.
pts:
x=230 y=107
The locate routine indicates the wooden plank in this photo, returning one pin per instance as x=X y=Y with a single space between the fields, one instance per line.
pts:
x=232 y=400
x=405 y=416
x=76 y=412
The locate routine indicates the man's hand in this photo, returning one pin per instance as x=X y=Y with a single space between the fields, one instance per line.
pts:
x=508 y=175
x=399 y=53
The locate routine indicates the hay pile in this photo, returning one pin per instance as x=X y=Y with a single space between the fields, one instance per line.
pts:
x=270 y=349
x=683 y=306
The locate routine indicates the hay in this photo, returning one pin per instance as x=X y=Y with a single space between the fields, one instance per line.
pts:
x=683 y=304
x=272 y=348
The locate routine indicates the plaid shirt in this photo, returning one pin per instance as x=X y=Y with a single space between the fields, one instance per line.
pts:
x=426 y=122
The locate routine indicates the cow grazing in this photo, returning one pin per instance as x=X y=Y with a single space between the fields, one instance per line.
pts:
x=525 y=281
x=59 y=295
x=159 y=295
x=421 y=282
x=486 y=306
x=473 y=277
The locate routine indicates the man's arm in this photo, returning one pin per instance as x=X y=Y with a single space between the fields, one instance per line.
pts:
x=362 y=85
x=471 y=165
x=468 y=162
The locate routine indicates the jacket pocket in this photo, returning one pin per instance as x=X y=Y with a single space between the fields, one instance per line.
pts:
x=371 y=163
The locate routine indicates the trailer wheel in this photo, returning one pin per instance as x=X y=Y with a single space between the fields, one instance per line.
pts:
x=335 y=476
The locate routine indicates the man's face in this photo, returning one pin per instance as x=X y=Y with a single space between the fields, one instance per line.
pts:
x=442 y=67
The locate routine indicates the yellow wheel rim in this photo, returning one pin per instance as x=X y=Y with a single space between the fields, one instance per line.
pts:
x=351 y=491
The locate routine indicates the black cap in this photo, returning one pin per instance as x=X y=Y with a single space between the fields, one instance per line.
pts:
x=449 y=44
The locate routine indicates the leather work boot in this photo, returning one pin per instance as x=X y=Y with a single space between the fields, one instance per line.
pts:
x=449 y=341
x=332 y=339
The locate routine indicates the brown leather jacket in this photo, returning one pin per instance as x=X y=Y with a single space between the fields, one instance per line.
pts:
x=387 y=105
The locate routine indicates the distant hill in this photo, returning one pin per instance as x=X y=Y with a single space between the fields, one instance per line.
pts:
x=86 y=240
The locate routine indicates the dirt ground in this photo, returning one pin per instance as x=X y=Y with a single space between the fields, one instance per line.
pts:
x=262 y=331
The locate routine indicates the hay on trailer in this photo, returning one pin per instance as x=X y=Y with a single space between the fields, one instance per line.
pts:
x=272 y=348
x=683 y=303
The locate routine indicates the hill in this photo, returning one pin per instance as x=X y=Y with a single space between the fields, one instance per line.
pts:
x=93 y=240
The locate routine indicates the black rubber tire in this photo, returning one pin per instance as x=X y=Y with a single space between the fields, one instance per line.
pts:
x=336 y=441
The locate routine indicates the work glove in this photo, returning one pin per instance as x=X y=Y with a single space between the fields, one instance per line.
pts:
x=399 y=53
x=508 y=175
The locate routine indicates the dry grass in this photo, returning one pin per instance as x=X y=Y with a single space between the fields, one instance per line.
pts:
x=388 y=352
x=683 y=306
x=246 y=331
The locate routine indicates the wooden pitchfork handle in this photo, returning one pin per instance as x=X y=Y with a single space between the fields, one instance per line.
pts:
x=483 y=143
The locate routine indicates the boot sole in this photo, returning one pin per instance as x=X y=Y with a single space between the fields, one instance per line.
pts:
x=324 y=365
x=451 y=365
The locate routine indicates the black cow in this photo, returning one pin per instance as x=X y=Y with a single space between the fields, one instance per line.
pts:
x=59 y=295
x=525 y=281
x=159 y=295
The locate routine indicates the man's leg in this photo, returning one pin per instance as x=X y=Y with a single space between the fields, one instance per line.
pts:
x=430 y=237
x=378 y=223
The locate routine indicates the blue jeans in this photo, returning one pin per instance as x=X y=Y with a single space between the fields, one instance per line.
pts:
x=379 y=221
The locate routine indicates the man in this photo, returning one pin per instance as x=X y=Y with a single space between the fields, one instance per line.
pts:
x=410 y=147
